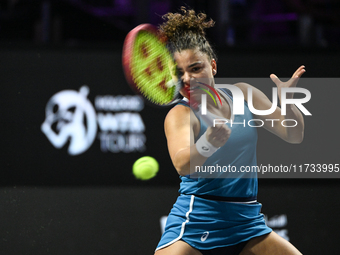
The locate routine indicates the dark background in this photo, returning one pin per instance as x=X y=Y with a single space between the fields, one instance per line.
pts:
x=53 y=203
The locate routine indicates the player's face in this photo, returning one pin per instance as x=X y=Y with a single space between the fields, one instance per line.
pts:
x=194 y=65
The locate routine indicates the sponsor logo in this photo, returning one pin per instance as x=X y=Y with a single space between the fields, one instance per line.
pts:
x=204 y=236
x=72 y=119
x=70 y=116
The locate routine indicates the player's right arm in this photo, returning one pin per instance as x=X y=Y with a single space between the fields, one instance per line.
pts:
x=180 y=127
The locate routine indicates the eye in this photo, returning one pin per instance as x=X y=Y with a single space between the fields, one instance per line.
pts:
x=196 y=69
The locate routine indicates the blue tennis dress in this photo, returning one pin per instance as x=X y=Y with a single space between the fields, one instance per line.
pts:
x=221 y=209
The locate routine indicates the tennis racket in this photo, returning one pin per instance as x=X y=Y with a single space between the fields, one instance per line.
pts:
x=150 y=69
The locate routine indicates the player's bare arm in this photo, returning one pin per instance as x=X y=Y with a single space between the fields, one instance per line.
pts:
x=262 y=102
x=179 y=128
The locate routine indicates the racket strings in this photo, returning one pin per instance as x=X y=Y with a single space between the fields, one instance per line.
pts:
x=151 y=69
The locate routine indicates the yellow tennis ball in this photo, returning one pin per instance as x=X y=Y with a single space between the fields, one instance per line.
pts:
x=145 y=168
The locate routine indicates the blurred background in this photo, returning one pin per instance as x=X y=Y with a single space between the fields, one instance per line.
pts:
x=238 y=22
x=63 y=58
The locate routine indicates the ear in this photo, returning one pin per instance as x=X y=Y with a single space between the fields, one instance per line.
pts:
x=213 y=67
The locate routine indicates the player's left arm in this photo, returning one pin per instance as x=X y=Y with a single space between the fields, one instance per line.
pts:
x=262 y=102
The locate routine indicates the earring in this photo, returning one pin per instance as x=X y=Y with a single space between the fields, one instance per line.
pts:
x=214 y=71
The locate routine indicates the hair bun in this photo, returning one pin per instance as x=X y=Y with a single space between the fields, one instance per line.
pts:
x=178 y=24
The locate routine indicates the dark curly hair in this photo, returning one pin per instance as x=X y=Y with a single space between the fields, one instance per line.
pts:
x=186 y=30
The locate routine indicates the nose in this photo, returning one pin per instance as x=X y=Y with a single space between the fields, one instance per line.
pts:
x=186 y=79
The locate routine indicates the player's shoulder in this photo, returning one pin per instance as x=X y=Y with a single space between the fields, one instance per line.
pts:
x=243 y=86
x=177 y=117
x=177 y=111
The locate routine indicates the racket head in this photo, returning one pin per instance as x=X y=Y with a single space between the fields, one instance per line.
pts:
x=149 y=67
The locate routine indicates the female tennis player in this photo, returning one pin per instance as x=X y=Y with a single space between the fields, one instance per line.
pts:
x=217 y=215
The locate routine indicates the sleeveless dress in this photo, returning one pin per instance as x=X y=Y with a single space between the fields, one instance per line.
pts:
x=220 y=209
